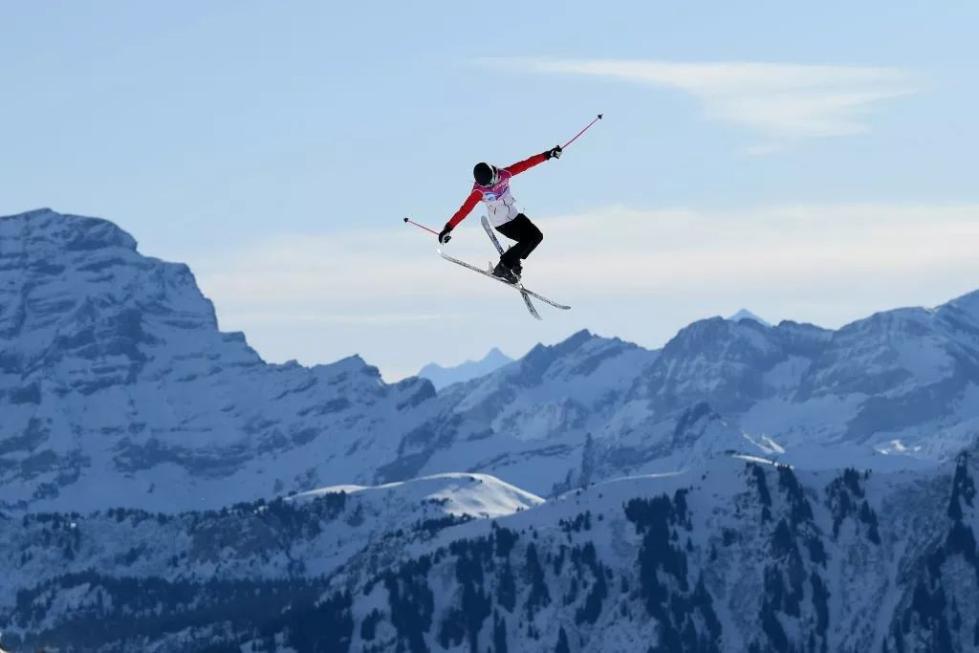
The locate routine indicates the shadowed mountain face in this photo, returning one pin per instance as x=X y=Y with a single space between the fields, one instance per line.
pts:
x=118 y=388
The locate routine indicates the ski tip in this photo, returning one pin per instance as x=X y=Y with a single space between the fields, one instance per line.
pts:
x=406 y=219
x=600 y=116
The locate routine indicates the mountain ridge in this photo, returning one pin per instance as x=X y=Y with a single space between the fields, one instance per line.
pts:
x=116 y=383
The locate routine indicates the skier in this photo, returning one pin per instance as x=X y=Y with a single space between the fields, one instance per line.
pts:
x=492 y=187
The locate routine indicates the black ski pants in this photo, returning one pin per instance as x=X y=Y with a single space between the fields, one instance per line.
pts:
x=527 y=235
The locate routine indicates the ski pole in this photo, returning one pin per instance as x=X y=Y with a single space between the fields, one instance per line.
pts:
x=421 y=226
x=587 y=127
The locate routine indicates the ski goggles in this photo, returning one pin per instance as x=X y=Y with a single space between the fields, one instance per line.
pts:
x=495 y=179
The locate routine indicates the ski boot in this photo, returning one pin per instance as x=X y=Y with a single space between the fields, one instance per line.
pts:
x=509 y=275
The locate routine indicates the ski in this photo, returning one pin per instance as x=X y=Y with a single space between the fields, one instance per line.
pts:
x=499 y=250
x=518 y=287
x=492 y=236
x=530 y=305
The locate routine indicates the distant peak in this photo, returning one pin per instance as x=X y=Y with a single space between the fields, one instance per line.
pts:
x=471 y=369
x=745 y=314
x=493 y=354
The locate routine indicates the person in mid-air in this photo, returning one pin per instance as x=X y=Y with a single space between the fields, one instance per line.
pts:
x=492 y=187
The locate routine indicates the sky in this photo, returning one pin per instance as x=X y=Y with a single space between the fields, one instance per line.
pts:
x=814 y=163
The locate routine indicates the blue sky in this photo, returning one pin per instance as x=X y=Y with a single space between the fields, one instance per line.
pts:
x=809 y=163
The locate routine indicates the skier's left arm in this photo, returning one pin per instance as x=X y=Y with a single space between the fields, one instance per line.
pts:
x=537 y=159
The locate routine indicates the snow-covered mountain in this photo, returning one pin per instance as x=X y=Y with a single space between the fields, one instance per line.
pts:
x=458 y=495
x=118 y=388
x=445 y=376
x=161 y=481
x=738 y=554
x=731 y=556
x=898 y=389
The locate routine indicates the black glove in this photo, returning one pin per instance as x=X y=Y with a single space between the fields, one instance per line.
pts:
x=445 y=236
x=554 y=152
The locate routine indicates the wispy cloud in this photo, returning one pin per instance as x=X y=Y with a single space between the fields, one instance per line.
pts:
x=327 y=318
x=773 y=250
x=636 y=274
x=825 y=254
x=785 y=103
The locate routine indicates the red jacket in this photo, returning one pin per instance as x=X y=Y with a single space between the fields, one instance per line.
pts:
x=498 y=192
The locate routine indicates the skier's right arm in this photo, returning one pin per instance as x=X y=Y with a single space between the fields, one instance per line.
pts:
x=460 y=215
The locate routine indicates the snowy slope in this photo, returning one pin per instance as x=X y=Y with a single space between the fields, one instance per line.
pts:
x=459 y=495
x=446 y=376
x=285 y=546
x=733 y=555
x=312 y=534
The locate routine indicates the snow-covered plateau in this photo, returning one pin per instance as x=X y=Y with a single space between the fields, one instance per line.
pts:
x=746 y=487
